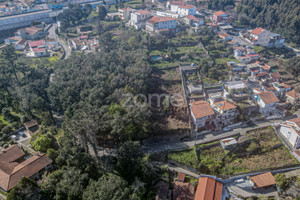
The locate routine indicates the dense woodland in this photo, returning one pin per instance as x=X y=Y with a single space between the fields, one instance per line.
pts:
x=280 y=16
x=89 y=91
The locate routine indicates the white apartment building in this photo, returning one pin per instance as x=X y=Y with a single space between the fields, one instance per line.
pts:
x=155 y=24
x=187 y=9
x=138 y=18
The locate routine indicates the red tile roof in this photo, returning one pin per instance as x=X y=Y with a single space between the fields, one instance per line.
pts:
x=286 y=85
x=220 y=13
x=293 y=94
x=177 y=3
x=187 y=6
x=225 y=105
x=263 y=180
x=223 y=35
x=201 y=109
x=38 y=49
x=155 y=19
x=268 y=97
x=191 y=17
x=275 y=75
x=295 y=120
x=208 y=189
x=36 y=43
x=257 y=31
x=253 y=55
x=12 y=171
x=143 y=12
x=181 y=176
x=262 y=74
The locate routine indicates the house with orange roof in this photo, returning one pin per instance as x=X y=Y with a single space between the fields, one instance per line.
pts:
x=124 y=13
x=293 y=97
x=262 y=37
x=267 y=102
x=224 y=36
x=226 y=112
x=138 y=19
x=221 y=17
x=30 y=33
x=173 y=5
x=157 y=24
x=290 y=129
x=264 y=180
x=186 y=9
x=192 y=20
x=14 y=165
x=202 y=114
x=209 y=189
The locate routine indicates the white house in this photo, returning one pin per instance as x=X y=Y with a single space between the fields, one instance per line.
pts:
x=263 y=37
x=291 y=130
x=156 y=24
x=226 y=112
x=21 y=45
x=173 y=5
x=187 y=9
x=293 y=97
x=267 y=102
x=192 y=20
x=202 y=114
x=139 y=18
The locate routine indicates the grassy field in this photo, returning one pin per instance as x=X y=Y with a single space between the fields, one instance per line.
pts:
x=258 y=150
x=225 y=60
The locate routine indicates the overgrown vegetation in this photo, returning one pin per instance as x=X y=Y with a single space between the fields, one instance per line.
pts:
x=257 y=150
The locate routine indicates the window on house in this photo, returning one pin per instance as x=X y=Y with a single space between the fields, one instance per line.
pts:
x=289 y=135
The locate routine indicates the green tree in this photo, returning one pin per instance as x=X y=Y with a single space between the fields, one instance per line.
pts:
x=26 y=189
x=102 y=12
x=108 y=187
x=41 y=143
x=282 y=181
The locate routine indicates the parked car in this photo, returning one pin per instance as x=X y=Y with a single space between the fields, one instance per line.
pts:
x=227 y=129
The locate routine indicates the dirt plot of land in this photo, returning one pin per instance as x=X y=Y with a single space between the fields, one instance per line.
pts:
x=257 y=150
x=172 y=119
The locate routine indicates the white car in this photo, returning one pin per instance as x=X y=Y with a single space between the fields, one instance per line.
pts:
x=226 y=129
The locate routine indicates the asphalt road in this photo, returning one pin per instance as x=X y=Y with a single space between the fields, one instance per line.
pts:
x=177 y=145
x=66 y=47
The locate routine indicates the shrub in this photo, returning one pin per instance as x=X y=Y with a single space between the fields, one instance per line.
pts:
x=42 y=143
x=282 y=181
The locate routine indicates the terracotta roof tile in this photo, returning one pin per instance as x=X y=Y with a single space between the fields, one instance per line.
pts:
x=220 y=13
x=143 y=12
x=257 y=31
x=11 y=170
x=293 y=94
x=208 y=189
x=268 y=97
x=295 y=120
x=275 y=75
x=201 y=109
x=263 y=180
x=181 y=176
x=155 y=19
x=187 y=6
x=225 y=105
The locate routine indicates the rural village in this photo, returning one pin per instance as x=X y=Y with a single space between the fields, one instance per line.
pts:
x=237 y=134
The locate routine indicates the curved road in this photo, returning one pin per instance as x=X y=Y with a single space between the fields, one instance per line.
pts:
x=65 y=46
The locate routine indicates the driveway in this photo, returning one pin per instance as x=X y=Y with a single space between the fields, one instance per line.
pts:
x=243 y=187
